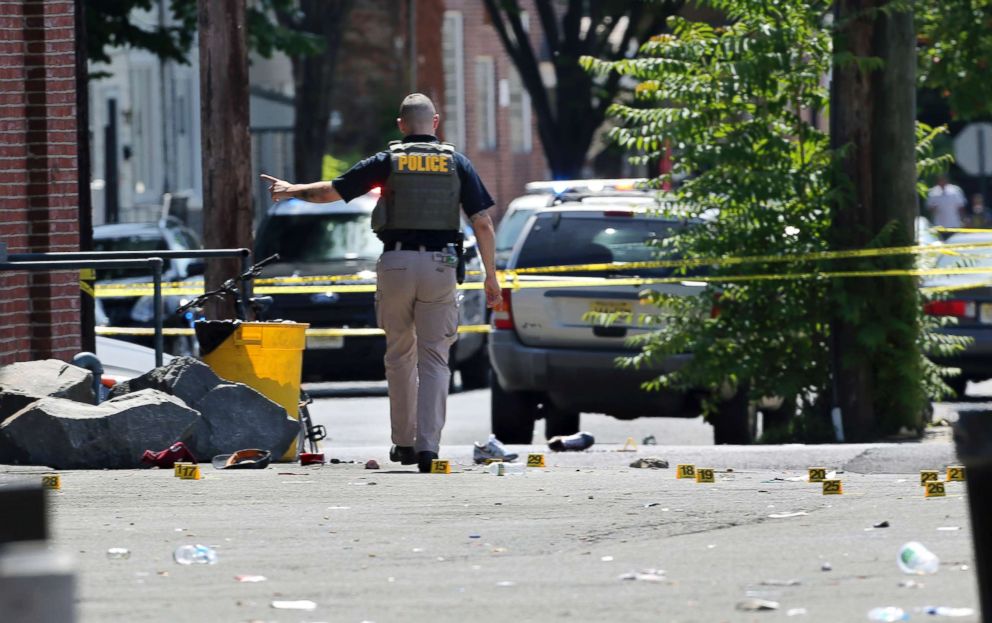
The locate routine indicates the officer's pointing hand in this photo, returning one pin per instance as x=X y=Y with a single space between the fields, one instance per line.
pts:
x=279 y=189
x=494 y=295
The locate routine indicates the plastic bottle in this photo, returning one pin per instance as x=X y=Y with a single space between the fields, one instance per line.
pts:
x=916 y=559
x=195 y=555
x=887 y=614
x=504 y=469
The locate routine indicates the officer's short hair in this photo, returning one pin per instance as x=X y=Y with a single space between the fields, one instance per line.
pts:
x=417 y=109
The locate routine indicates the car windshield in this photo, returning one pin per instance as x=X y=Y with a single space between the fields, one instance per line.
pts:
x=561 y=239
x=319 y=237
x=964 y=258
x=508 y=232
x=128 y=243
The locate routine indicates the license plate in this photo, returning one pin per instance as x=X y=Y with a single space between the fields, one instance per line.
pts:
x=611 y=307
x=325 y=341
x=985 y=313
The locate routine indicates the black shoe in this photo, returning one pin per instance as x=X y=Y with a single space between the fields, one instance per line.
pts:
x=402 y=454
x=424 y=460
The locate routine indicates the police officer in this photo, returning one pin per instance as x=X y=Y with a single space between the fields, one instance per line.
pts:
x=423 y=182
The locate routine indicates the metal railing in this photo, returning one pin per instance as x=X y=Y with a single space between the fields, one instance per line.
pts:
x=154 y=260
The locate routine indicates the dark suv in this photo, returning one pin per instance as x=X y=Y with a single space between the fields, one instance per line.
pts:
x=336 y=239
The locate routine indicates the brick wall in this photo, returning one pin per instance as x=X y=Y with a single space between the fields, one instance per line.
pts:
x=39 y=312
x=503 y=171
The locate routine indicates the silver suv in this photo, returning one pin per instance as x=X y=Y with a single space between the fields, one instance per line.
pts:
x=549 y=361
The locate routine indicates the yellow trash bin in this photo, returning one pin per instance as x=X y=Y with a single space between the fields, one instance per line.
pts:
x=267 y=356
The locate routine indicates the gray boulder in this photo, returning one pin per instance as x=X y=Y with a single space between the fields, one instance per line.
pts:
x=64 y=434
x=48 y=377
x=235 y=416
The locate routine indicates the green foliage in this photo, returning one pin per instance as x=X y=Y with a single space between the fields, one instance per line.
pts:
x=333 y=167
x=111 y=24
x=956 y=53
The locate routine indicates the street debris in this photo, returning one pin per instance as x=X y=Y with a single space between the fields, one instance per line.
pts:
x=573 y=443
x=303 y=604
x=650 y=504
x=252 y=458
x=946 y=611
x=492 y=450
x=910 y=584
x=915 y=559
x=649 y=441
x=250 y=578
x=948 y=528
x=371 y=464
x=887 y=614
x=506 y=583
x=167 y=459
x=195 y=555
x=781 y=582
x=754 y=604
x=826 y=566
x=118 y=553
x=607 y=558
x=796 y=612
x=504 y=469
x=644 y=575
x=881 y=524
x=650 y=462
x=787 y=515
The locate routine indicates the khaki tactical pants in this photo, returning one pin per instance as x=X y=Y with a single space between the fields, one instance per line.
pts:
x=416 y=306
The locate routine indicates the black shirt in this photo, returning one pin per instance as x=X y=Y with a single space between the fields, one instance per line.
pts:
x=375 y=170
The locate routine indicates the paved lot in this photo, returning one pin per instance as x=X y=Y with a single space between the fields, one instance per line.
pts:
x=392 y=545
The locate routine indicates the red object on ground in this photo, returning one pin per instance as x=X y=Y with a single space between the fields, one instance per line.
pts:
x=169 y=457
x=371 y=464
x=311 y=458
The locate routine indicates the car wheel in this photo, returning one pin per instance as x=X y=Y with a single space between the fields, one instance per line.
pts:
x=513 y=414
x=475 y=371
x=558 y=422
x=735 y=420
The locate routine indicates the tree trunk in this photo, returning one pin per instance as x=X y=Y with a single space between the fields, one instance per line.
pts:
x=875 y=320
x=227 y=210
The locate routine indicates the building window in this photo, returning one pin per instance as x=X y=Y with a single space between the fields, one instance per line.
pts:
x=485 y=104
x=521 y=138
x=453 y=61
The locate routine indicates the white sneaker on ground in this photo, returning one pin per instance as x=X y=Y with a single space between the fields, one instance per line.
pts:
x=492 y=450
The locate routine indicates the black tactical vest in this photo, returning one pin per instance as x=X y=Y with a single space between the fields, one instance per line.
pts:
x=422 y=191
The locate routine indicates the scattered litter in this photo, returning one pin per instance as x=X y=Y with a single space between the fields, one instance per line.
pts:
x=781 y=583
x=649 y=441
x=250 y=578
x=948 y=528
x=910 y=584
x=371 y=464
x=303 y=604
x=754 y=604
x=644 y=575
x=787 y=515
x=945 y=611
x=650 y=462
x=796 y=612
x=359 y=483
x=916 y=559
x=881 y=524
x=506 y=583
x=252 y=458
x=338 y=508
x=887 y=614
x=607 y=559
x=650 y=504
x=503 y=469
x=576 y=442
x=118 y=553
x=475 y=536
x=826 y=567
x=195 y=555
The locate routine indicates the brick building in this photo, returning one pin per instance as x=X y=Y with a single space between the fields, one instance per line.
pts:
x=39 y=179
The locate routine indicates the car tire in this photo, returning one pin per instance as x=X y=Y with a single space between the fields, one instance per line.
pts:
x=475 y=371
x=735 y=420
x=560 y=423
x=512 y=414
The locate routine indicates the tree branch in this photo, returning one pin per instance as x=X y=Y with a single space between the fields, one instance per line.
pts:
x=549 y=22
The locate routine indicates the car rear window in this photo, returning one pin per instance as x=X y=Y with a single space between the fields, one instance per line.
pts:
x=318 y=237
x=558 y=239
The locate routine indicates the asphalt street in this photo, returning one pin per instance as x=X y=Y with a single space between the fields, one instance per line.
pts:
x=551 y=544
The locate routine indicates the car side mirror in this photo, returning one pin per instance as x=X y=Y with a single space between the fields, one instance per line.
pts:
x=196 y=268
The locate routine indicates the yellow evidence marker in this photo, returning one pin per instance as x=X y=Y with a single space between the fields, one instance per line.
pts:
x=935 y=489
x=630 y=445
x=817 y=474
x=189 y=472
x=440 y=466
x=53 y=482
x=178 y=467
x=535 y=460
x=685 y=471
x=955 y=473
x=928 y=475
x=833 y=487
x=705 y=474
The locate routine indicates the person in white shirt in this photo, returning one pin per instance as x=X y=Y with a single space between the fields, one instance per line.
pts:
x=946 y=204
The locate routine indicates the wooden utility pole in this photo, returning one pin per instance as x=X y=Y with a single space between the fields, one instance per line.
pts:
x=226 y=141
x=872 y=116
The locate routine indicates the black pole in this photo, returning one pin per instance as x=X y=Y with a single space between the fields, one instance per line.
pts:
x=128 y=255
x=159 y=311
x=111 y=196
x=245 y=288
